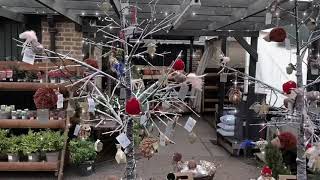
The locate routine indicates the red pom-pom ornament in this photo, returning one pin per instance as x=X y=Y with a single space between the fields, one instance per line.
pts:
x=266 y=171
x=288 y=86
x=133 y=106
x=178 y=65
x=45 y=98
x=287 y=140
x=277 y=35
x=91 y=62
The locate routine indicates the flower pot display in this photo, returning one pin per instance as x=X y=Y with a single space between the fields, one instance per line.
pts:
x=31 y=145
x=52 y=156
x=34 y=157
x=83 y=154
x=51 y=144
x=13 y=147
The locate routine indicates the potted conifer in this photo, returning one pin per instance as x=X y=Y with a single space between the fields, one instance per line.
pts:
x=83 y=155
x=52 y=143
x=13 y=148
x=31 y=145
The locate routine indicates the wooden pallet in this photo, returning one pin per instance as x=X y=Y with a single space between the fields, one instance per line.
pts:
x=229 y=143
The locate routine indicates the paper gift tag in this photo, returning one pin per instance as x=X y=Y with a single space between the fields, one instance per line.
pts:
x=91 y=105
x=89 y=168
x=9 y=157
x=169 y=129
x=123 y=140
x=28 y=56
x=76 y=130
x=122 y=93
x=143 y=120
x=162 y=140
x=183 y=91
x=287 y=43
x=268 y=18
x=98 y=145
x=60 y=101
x=190 y=124
x=30 y=157
x=223 y=77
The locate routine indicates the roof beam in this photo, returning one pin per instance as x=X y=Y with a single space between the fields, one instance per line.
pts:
x=211 y=33
x=11 y=15
x=57 y=5
x=251 y=50
x=116 y=4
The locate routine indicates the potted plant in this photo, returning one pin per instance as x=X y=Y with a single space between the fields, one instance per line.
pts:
x=52 y=143
x=31 y=145
x=83 y=155
x=45 y=98
x=13 y=148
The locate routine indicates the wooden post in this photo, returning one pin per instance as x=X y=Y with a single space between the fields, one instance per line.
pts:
x=222 y=85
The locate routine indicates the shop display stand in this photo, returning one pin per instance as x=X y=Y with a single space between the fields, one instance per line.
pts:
x=57 y=167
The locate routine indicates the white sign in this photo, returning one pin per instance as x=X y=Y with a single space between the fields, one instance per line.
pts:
x=123 y=140
x=30 y=157
x=190 y=124
x=9 y=157
x=183 y=91
x=268 y=18
x=143 y=120
x=91 y=105
x=28 y=56
x=60 y=101
x=76 y=130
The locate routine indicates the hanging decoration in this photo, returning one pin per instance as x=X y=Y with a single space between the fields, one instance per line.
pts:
x=120 y=155
x=148 y=147
x=290 y=68
x=133 y=106
x=32 y=41
x=151 y=49
x=266 y=173
x=178 y=65
x=277 y=34
x=288 y=86
x=234 y=95
x=85 y=131
x=92 y=62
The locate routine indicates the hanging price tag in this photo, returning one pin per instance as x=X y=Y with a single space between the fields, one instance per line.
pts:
x=91 y=105
x=122 y=93
x=190 y=124
x=98 y=145
x=28 y=56
x=287 y=43
x=183 y=91
x=268 y=18
x=123 y=140
x=77 y=130
x=162 y=140
x=9 y=157
x=143 y=120
x=60 y=101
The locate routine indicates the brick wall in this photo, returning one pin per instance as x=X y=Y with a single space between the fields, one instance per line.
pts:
x=67 y=39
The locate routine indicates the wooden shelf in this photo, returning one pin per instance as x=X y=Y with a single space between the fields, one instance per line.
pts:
x=214 y=100
x=151 y=76
x=29 y=86
x=21 y=123
x=35 y=67
x=211 y=87
x=29 y=166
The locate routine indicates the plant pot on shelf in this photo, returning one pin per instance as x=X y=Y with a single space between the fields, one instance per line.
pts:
x=34 y=157
x=13 y=157
x=43 y=114
x=53 y=80
x=52 y=156
x=86 y=168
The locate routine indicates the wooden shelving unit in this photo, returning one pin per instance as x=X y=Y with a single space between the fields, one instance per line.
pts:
x=56 y=167
x=29 y=86
x=35 y=67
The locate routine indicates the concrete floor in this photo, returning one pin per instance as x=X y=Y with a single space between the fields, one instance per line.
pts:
x=229 y=168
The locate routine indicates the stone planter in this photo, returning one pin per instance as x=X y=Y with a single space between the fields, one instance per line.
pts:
x=52 y=156
x=33 y=157
x=13 y=157
x=86 y=168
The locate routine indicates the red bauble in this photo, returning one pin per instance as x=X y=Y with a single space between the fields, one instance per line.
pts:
x=278 y=34
x=287 y=140
x=133 y=106
x=288 y=86
x=45 y=98
x=91 y=62
x=266 y=171
x=178 y=65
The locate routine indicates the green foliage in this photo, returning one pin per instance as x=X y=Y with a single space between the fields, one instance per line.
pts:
x=275 y=161
x=51 y=141
x=31 y=142
x=3 y=141
x=14 y=144
x=136 y=133
x=82 y=151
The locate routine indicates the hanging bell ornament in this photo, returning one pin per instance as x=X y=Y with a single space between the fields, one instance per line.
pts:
x=179 y=77
x=289 y=69
x=120 y=155
x=192 y=138
x=235 y=95
x=151 y=49
x=98 y=145
x=311 y=24
x=105 y=6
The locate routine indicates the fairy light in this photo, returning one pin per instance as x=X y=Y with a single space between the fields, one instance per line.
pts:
x=97 y=14
x=304 y=13
x=83 y=13
x=193 y=13
x=166 y=13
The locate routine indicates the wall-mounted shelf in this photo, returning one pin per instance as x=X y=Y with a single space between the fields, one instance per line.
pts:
x=29 y=86
x=29 y=166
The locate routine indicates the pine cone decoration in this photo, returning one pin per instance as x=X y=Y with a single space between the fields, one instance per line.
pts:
x=45 y=98
x=147 y=147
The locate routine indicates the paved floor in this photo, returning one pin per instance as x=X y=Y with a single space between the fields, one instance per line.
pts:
x=230 y=168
